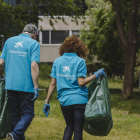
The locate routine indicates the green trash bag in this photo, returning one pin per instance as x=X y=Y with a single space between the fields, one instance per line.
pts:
x=98 y=118
x=5 y=115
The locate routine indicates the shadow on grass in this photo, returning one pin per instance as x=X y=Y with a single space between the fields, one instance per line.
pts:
x=132 y=106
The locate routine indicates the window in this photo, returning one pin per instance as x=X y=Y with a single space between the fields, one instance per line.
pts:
x=57 y=37
x=45 y=37
x=54 y=37
x=76 y=33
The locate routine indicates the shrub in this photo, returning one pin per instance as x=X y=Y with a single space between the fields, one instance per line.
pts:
x=136 y=76
x=45 y=70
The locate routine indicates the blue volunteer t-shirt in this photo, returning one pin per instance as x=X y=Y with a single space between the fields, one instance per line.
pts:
x=18 y=53
x=65 y=70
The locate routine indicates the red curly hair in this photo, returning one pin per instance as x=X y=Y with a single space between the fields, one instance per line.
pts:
x=73 y=44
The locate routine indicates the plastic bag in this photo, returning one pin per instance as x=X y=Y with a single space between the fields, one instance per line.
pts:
x=98 y=118
x=5 y=115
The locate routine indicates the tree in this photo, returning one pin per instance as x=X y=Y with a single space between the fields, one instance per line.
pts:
x=13 y=19
x=129 y=39
x=127 y=23
x=103 y=39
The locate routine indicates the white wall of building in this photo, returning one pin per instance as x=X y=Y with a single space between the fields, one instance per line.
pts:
x=49 y=52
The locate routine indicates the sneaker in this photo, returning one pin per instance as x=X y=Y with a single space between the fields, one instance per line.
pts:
x=9 y=136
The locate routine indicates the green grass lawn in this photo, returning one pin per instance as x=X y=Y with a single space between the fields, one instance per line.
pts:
x=125 y=113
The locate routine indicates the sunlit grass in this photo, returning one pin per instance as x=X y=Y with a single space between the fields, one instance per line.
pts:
x=51 y=128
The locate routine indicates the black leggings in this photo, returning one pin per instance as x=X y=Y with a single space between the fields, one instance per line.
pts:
x=74 y=118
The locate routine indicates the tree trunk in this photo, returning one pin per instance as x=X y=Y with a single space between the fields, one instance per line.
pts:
x=130 y=44
x=129 y=71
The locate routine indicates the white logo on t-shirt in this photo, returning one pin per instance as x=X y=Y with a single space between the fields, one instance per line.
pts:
x=19 y=44
x=66 y=68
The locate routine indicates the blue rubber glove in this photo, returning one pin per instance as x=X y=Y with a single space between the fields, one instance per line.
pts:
x=46 y=109
x=99 y=73
x=36 y=94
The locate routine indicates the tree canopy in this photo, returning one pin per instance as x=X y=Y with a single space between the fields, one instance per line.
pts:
x=14 y=18
x=103 y=39
x=113 y=36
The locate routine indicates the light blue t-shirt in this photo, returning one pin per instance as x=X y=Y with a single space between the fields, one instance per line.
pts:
x=65 y=70
x=18 y=53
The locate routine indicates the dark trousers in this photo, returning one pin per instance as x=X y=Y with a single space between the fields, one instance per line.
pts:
x=74 y=117
x=22 y=112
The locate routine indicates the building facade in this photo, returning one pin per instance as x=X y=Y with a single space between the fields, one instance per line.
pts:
x=50 y=40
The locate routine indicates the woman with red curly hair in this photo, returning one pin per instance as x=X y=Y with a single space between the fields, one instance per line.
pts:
x=69 y=73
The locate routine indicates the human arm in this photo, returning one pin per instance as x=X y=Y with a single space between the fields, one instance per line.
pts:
x=53 y=82
x=35 y=73
x=2 y=65
x=51 y=89
x=35 y=77
x=83 y=81
x=35 y=58
x=46 y=107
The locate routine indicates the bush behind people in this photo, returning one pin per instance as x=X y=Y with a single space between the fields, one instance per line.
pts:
x=44 y=70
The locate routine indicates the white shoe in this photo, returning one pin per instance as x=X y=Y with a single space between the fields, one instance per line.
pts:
x=9 y=136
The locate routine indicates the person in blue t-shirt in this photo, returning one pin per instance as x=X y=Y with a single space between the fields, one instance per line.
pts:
x=69 y=73
x=21 y=56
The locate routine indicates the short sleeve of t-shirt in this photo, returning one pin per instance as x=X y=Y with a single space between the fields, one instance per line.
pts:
x=3 y=54
x=53 y=72
x=82 y=70
x=35 y=52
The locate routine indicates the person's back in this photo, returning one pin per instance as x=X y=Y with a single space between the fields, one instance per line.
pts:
x=19 y=52
x=68 y=67
x=21 y=55
x=69 y=74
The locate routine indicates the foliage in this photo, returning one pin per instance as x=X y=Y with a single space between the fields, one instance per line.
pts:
x=13 y=19
x=136 y=76
x=116 y=81
x=103 y=39
x=114 y=35
x=137 y=71
x=44 y=71
x=53 y=7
